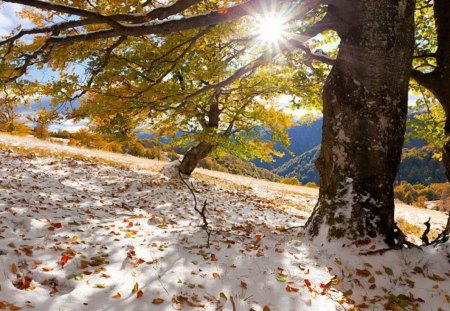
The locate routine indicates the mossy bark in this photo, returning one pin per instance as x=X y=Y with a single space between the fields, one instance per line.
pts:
x=365 y=109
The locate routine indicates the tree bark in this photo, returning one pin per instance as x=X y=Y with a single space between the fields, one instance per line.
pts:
x=204 y=148
x=193 y=156
x=365 y=110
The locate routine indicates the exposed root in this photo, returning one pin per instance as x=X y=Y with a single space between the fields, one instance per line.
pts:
x=205 y=226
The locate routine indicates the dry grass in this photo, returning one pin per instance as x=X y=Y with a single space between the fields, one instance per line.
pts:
x=31 y=152
x=415 y=230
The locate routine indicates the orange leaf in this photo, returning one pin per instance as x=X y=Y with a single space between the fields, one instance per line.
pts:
x=64 y=259
x=157 y=301
x=222 y=10
x=117 y=296
x=139 y=294
x=74 y=239
x=215 y=275
x=291 y=289
x=14 y=268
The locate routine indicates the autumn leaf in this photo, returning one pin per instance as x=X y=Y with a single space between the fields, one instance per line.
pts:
x=157 y=301
x=215 y=275
x=74 y=239
x=117 y=296
x=291 y=289
x=308 y=285
x=388 y=270
x=135 y=288
x=363 y=272
x=64 y=260
x=139 y=294
x=243 y=285
x=14 y=268
x=222 y=10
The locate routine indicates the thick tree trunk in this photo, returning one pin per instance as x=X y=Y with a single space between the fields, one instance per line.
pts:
x=193 y=156
x=365 y=108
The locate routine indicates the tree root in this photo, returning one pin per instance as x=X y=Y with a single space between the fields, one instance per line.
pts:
x=205 y=226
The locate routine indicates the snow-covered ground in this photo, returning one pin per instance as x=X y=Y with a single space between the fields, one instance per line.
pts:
x=91 y=230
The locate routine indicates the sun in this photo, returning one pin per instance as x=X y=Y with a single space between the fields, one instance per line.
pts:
x=271 y=28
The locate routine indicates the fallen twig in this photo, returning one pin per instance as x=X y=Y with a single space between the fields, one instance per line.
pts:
x=205 y=226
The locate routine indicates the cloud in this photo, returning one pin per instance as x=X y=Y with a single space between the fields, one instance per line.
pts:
x=9 y=19
x=69 y=125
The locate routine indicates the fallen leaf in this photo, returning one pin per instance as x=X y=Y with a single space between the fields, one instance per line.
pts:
x=139 y=294
x=64 y=260
x=215 y=275
x=135 y=288
x=291 y=289
x=157 y=301
x=117 y=296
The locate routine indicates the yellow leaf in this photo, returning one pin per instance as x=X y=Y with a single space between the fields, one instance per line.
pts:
x=135 y=288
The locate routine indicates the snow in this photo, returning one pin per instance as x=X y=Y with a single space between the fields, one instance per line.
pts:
x=120 y=226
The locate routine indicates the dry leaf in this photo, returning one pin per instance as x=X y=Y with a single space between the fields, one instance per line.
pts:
x=157 y=301
x=139 y=294
x=117 y=296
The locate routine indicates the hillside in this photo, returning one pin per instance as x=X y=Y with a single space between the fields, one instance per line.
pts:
x=417 y=166
x=89 y=230
x=302 y=167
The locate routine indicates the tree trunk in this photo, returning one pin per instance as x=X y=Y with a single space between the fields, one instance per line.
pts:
x=193 y=156
x=365 y=110
x=204 y=148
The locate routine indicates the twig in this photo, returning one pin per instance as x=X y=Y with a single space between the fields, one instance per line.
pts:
x=232 y=302
x=201 y=212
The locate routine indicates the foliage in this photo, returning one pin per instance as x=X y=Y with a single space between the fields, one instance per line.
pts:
x=418 y=194
x=15 y=128
x=173 y=82
x=291 y=181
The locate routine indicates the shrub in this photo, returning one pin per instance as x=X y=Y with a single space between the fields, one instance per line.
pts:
x=291 y=181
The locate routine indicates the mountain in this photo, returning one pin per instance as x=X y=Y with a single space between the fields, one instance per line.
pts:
x=303 y=138
x=417 y=166
x=302 y=167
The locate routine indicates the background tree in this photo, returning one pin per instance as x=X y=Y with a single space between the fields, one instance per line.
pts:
x=11 y=97
x=432 y=68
